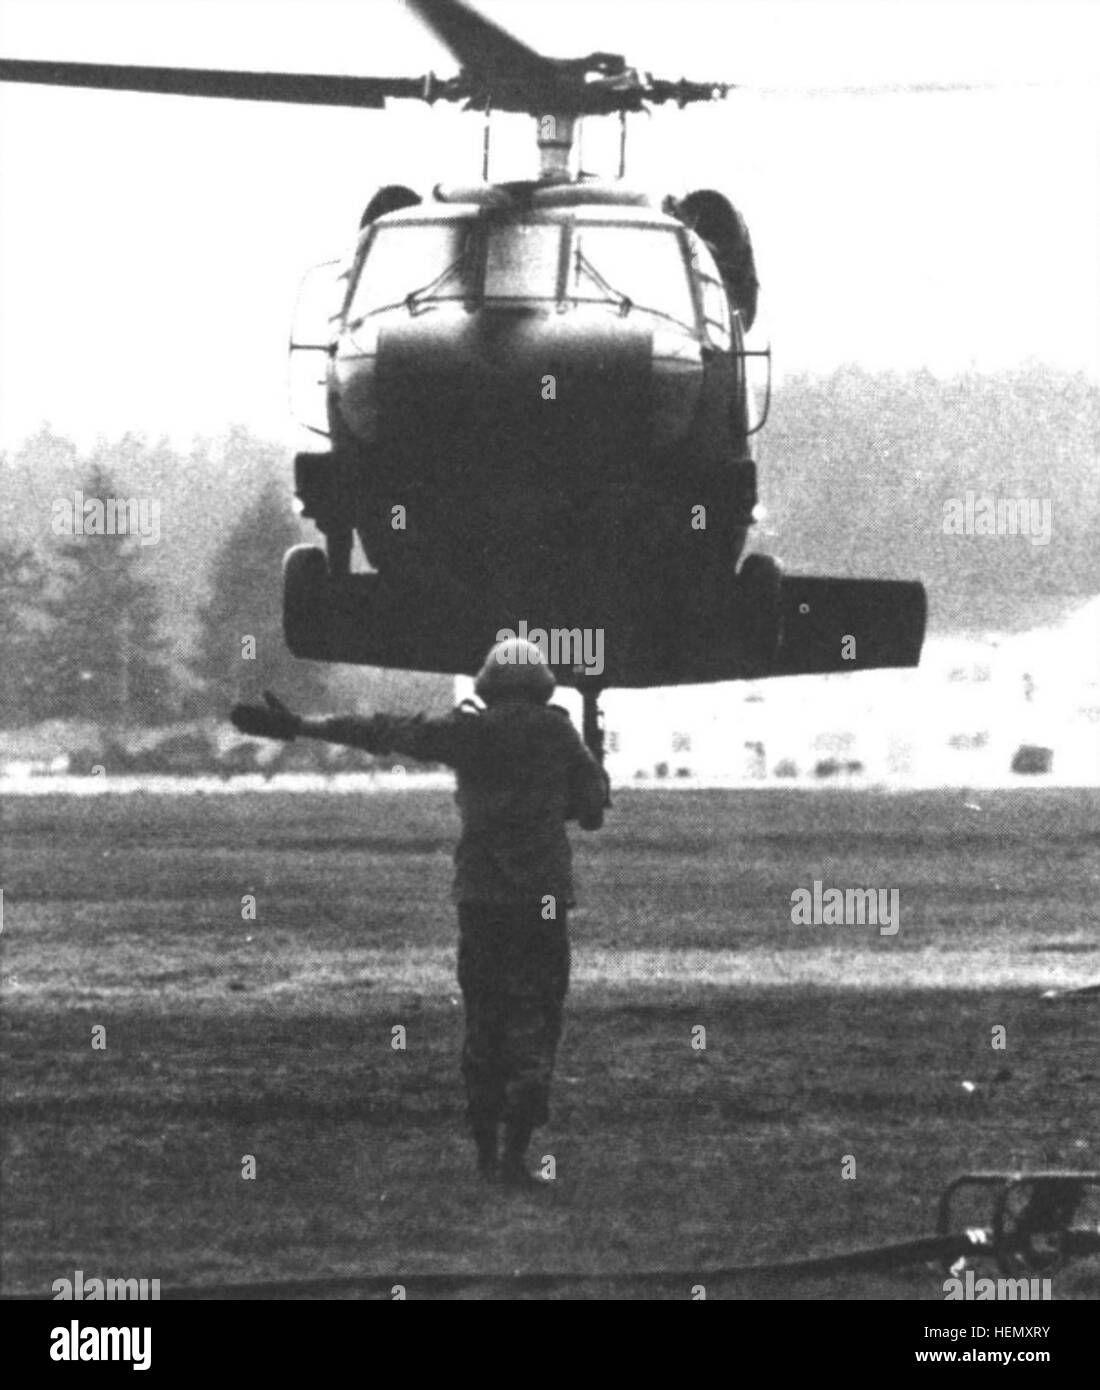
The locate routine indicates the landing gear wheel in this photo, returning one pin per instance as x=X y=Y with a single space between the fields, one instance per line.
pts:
x=760 y=608
x=307 y=601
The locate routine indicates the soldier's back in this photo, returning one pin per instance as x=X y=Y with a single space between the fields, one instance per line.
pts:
x=513 y=795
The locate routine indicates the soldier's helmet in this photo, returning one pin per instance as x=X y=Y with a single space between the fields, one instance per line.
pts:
x=515 y=670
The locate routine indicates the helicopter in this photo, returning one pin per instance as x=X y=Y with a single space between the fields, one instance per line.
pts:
x=539 y=406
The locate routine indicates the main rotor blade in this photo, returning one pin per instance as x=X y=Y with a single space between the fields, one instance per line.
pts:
x=307 y=89
x=877 y=89
x=483 y=48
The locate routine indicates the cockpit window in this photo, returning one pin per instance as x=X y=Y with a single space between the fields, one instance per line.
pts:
x=521 y=261
x=633 y=267
x=636 y=267
x=427 y=260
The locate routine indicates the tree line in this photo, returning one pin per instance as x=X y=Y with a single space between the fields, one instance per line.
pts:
x=86 y=618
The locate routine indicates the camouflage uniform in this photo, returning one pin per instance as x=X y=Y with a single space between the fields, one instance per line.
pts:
x=522 y=772
x=513 y=968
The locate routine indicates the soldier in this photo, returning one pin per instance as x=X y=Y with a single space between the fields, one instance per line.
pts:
x=522 y=772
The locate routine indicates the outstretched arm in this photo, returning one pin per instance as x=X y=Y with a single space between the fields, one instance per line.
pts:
x=272 y=719
x=429 y=740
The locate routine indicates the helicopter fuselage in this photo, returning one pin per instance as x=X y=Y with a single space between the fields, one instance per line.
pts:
x=539 y=402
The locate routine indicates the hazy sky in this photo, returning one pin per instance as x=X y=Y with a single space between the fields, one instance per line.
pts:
x=150 y=247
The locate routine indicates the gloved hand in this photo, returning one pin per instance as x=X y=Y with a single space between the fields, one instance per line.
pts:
x=272 y=721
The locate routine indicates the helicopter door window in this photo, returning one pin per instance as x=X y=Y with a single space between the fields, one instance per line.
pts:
x=640 y=268
x=712 y=293
x=420 y=259
x=521 y=261
x=716 y=311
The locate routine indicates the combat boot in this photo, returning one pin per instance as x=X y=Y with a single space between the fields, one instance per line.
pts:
x=515 y=1175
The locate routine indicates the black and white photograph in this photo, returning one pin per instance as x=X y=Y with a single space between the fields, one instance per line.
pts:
x=550 y=672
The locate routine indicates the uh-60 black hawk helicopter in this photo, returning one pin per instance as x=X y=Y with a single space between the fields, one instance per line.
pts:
x=538 y=407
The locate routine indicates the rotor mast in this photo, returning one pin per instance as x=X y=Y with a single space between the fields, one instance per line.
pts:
x=554 y=137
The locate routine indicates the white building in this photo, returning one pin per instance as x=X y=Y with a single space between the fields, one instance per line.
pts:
x=960 y=719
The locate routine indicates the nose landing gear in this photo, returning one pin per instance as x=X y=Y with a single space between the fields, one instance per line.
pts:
x=592 y=722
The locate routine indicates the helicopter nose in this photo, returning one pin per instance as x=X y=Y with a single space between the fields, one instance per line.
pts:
x=534 y=397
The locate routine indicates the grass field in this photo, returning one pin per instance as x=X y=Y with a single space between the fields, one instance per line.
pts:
x=227 y=1037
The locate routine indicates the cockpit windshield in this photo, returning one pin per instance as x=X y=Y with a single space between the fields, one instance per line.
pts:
x=636 y=267
x=407 y=262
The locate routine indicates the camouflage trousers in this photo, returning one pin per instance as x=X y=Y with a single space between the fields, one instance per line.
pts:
x=513 y=969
